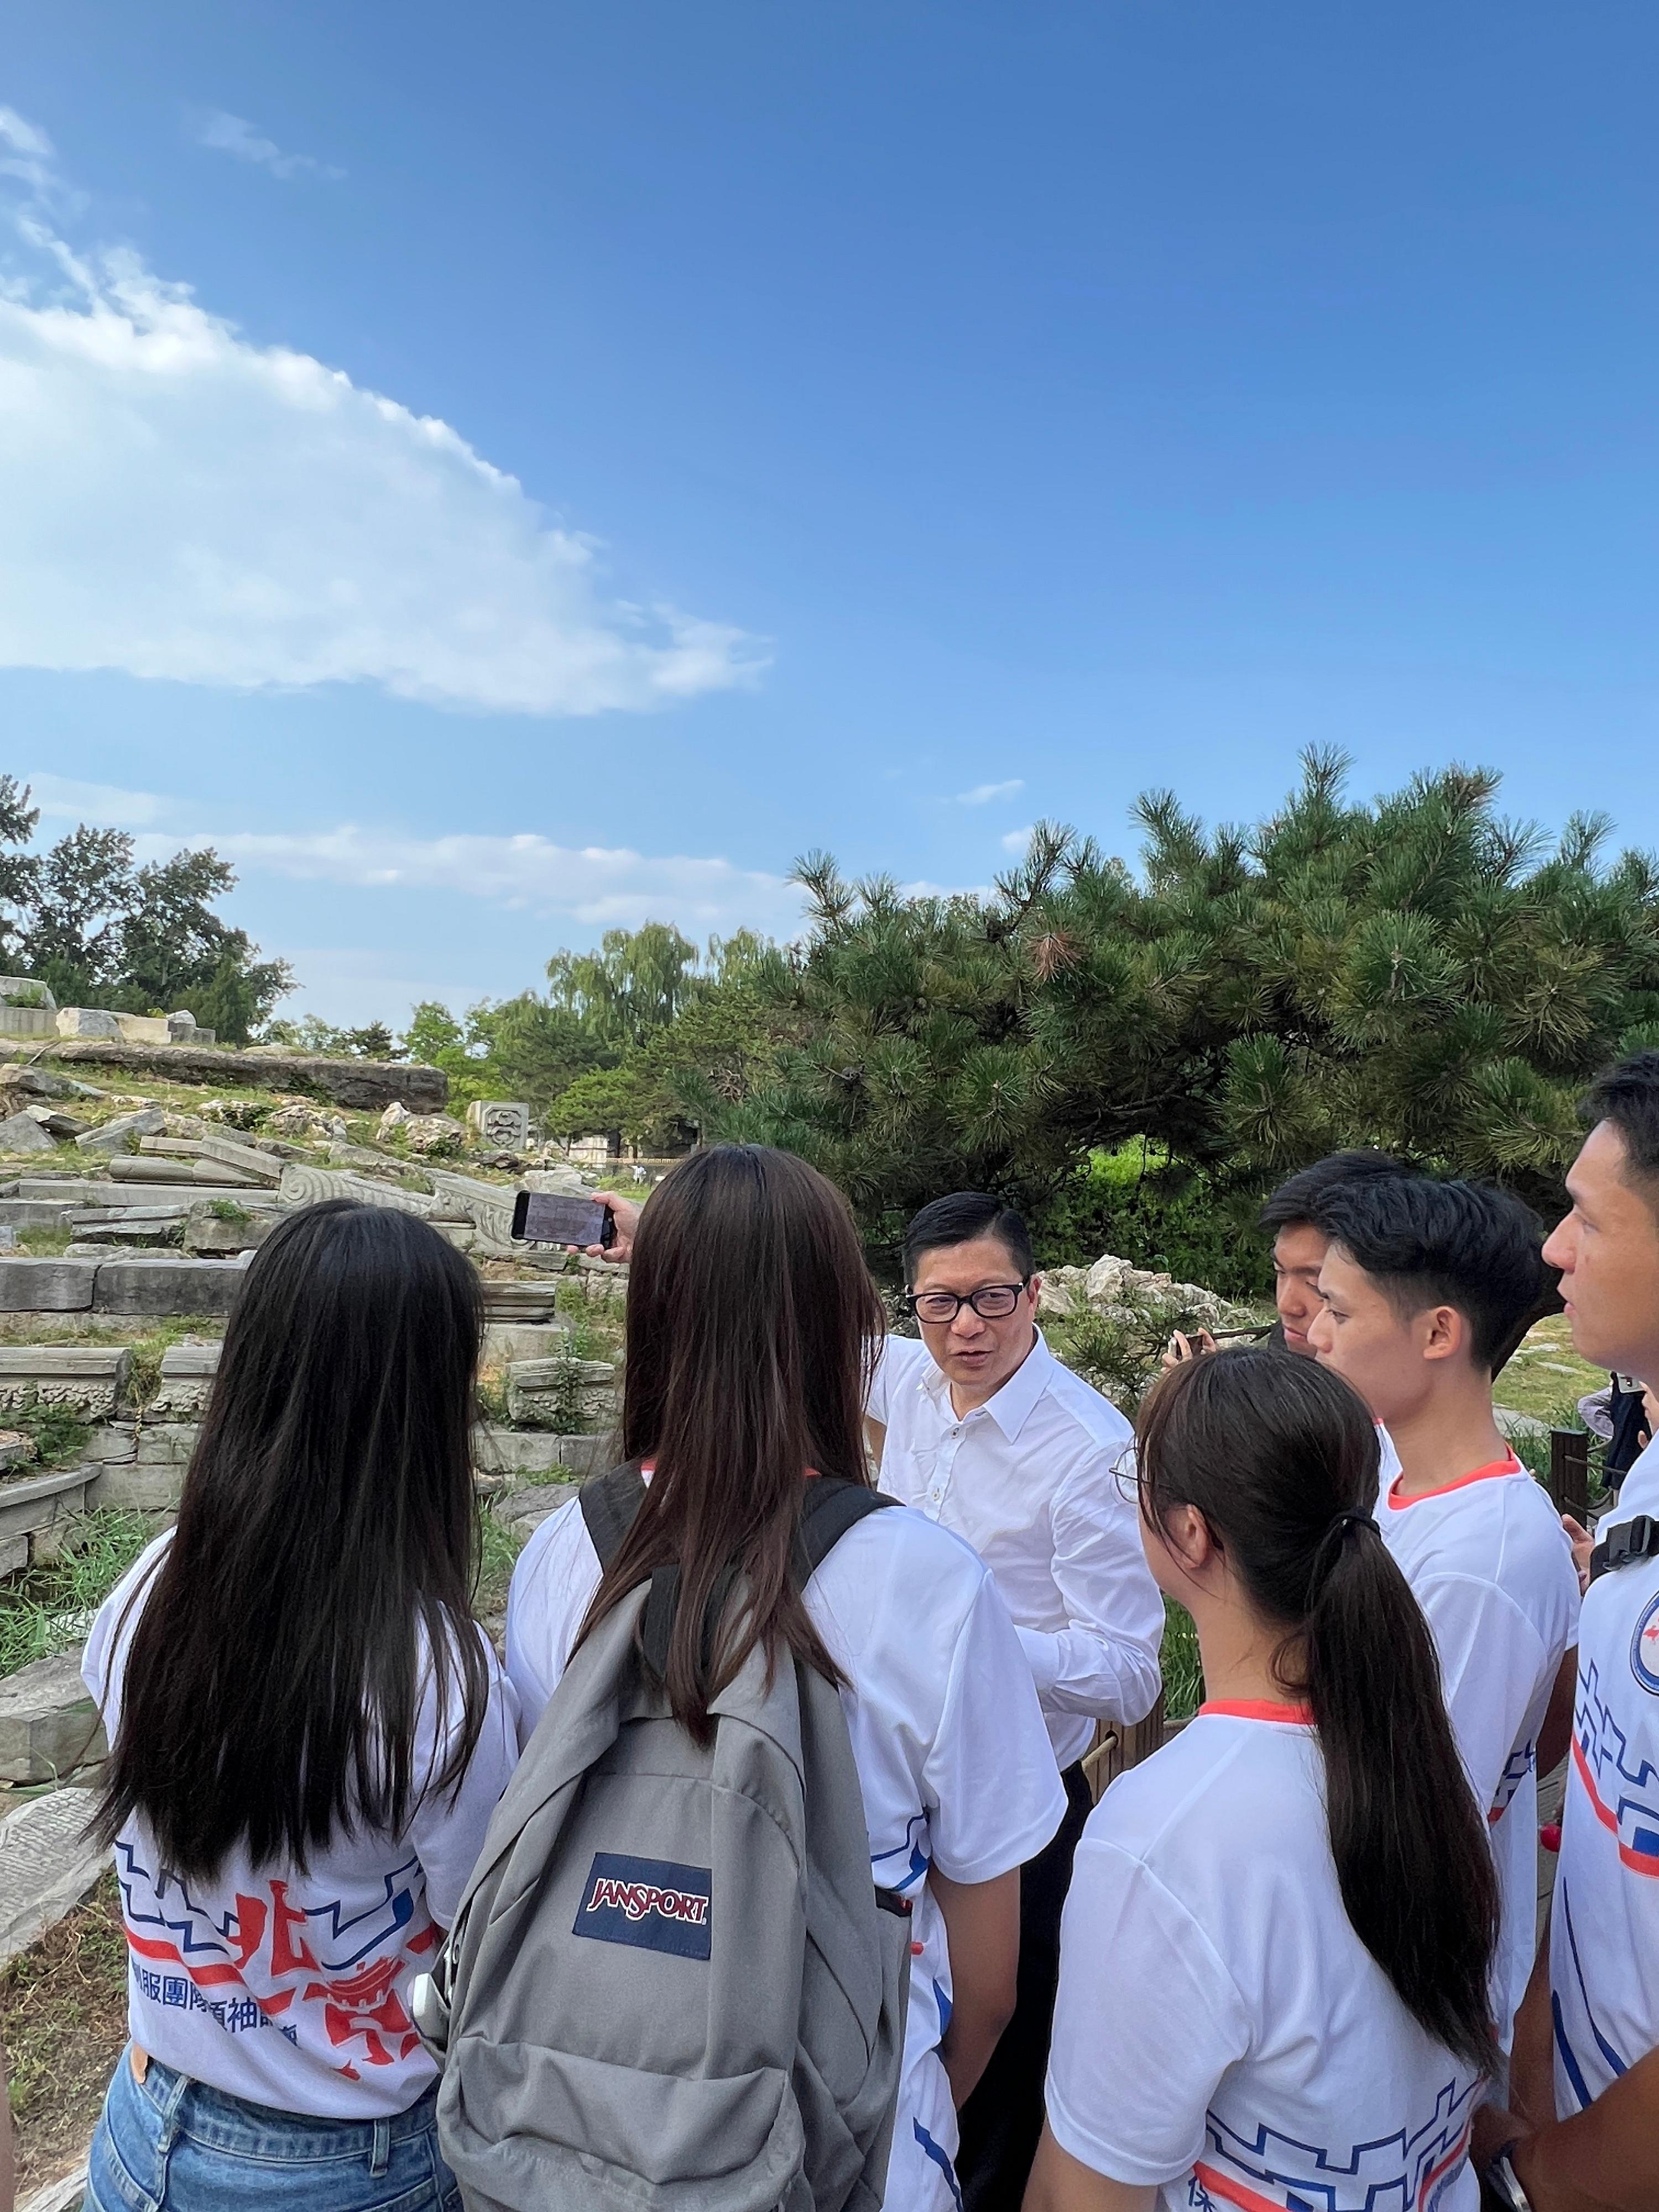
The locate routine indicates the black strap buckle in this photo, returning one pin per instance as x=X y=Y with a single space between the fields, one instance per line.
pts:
x=1635 y=1539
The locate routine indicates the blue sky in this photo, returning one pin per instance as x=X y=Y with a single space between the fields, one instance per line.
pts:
x=501 y=470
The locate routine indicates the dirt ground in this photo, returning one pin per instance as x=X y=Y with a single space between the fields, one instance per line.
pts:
x=63 y=2012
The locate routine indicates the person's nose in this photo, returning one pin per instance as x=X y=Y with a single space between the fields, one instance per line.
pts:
x=1557 y=1249
x=967 y=1323
x=1321 y=1330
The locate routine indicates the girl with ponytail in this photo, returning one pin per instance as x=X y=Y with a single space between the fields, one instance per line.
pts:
x=1276 y=1953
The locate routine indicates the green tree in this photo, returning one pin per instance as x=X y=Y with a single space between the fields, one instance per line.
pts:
x=20 y=870
x=1416 y=973
x=637 y=982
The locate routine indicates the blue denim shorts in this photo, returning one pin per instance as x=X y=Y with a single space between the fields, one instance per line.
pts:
x=167 y=2141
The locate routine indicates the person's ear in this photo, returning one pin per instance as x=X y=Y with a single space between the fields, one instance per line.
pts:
x=1033 y=1291
x=1186 y=1539
x=1445 y=1332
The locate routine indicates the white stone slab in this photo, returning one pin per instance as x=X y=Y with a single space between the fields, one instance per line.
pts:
x=46 y=1867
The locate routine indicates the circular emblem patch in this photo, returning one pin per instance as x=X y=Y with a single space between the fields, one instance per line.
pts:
x=1644 y=1648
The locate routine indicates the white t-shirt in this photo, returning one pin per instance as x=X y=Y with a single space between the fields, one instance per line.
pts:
x=1604 y=1923
x=288 y=1988
x=1032 y=1480
x=1638 y=1493
x=947 y=1735
x=1489 y=1564
x=1221 y=2032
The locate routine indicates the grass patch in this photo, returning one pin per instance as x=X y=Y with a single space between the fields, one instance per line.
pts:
x=1546 y=1374
x=1183 y=1678
x=147 y=1351
x=64 y=2010
x=60 y=1437
x=498 y=1554
x=45 y=1610
x=225 y=1209
x=43 y=1243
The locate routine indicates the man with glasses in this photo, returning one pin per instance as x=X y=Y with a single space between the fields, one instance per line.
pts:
x=980 y=1427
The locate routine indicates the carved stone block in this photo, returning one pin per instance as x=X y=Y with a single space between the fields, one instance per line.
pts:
x=502 y=1123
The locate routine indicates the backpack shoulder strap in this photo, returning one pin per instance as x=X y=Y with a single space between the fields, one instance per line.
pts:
x=609 y=1504
x=831 y=1506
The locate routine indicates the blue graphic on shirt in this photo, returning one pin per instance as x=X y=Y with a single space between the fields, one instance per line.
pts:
x=941 y=2160
x=1407 y=2171
x=1570 y=2063
x=905 y=1866
x=1622 y=1786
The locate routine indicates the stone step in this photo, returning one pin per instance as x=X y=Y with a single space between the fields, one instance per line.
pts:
x=32 y=1286
x=84 y=1378
x=505 y=1342
x=79 y=1192
x=253 y=1166
x=46 y=1867
x=497 y=1451
x=520 y=1302
x=49 y=1725
x=36 y=1513
x=210 y=1175
x=187 y=1373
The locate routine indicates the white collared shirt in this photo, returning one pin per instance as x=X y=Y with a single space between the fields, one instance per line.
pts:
x=1030 y=1478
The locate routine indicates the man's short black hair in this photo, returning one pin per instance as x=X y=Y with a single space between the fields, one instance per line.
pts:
x=1628 y=1096
x=958 y=1220
x=1462 y=1245
x=1299 y=1201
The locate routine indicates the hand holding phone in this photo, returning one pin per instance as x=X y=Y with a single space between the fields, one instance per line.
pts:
x=540 y=1217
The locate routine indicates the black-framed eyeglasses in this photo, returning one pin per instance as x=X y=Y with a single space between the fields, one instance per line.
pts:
x=991 y=1302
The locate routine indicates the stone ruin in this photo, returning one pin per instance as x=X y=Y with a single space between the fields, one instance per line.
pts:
x=28 y=1009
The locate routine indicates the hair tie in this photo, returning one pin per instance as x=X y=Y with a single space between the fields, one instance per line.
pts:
x=1354 y=1519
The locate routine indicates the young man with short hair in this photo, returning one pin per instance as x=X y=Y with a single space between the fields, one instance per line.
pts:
x=1291 y=1217
x=1583 y=2124
x=1422 y=1291
x=985 y=1431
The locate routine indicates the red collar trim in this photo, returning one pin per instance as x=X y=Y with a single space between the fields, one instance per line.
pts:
x=1508 y=1465
x=1259 y=1709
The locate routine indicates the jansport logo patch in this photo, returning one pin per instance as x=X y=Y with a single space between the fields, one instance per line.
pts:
x=654 y=1903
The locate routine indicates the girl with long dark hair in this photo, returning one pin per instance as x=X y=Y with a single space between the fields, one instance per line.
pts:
x=752 y=1326
x=308 y=1735
x=1275 y=1957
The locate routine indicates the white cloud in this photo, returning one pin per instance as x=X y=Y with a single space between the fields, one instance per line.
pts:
x=235 y=135
x=25 y=153
x=103 y=805
x=177 y=502
x=983 y=793
x=1016 y=839
x=602 y=886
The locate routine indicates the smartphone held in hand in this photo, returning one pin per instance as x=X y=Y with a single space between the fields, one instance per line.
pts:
x=541 y=1218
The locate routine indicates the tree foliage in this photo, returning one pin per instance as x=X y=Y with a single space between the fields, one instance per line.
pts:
x=1417 y=973
x=98 y=931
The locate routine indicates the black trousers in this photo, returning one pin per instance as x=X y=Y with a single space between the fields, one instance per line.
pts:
x=1001 y=2121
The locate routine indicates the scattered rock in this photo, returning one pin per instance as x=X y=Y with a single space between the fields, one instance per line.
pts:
x=21 y=1133
x=113 y=1136
x=55 y=1123
x=87 y=1022
x=239 y=1113
x=435 y=1135
x=41 y=1083
x=49 y=1725
x=46 y=1867
x=206 y=1232
x=396 y=1116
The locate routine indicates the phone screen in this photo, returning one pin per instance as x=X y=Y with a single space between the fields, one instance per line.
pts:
x=541 y=1218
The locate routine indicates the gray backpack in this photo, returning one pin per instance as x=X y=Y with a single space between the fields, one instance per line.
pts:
x=672 y=1985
